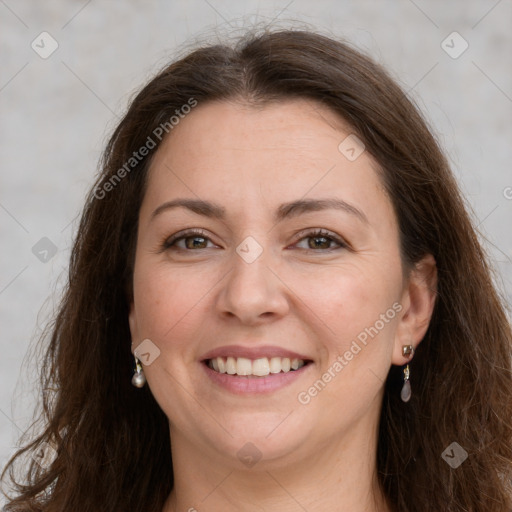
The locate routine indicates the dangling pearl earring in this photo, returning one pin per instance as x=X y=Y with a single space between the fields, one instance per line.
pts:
x=138 y=379
x=405 y=394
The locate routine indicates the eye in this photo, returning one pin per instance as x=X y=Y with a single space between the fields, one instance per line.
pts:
x=315 y=240
x=320 y=239
x=187 y=240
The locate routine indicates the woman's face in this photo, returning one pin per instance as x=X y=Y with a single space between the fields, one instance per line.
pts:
x=286 y=255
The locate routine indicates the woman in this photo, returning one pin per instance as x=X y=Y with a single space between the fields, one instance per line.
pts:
x=276 y=301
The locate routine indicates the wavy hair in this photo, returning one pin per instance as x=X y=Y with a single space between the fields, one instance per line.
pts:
x=111 y=441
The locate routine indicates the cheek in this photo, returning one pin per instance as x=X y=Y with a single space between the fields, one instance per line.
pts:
x=349 y=298
x=357 y=310
x=166 y=303
x=356 y=303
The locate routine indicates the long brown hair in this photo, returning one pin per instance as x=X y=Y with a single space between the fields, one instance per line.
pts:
x=112 y=440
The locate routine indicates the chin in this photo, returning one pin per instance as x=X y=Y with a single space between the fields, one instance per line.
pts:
x=269 y=438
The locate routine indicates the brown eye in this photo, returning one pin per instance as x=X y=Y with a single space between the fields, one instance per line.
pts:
x=188 y=240
x=195 y=242
x=321 y=240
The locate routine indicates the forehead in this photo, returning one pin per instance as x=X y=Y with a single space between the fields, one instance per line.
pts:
x=267 y=155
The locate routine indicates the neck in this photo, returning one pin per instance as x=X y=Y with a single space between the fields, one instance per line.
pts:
x=340 y=475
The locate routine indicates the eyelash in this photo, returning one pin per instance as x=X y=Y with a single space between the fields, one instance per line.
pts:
x=170 y=242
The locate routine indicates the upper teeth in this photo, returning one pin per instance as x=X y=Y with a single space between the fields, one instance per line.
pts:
x=259 y=367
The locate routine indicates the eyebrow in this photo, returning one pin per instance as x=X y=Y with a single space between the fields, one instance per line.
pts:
x=284 y=211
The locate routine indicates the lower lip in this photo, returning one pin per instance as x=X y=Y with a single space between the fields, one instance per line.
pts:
x=254 y=385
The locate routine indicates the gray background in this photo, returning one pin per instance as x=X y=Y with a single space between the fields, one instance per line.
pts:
x=57 y=112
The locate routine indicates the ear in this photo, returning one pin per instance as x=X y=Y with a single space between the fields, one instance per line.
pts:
x=132 y=320
x=418 y=300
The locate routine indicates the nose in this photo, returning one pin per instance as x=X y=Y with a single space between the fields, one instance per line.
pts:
x=253 y=292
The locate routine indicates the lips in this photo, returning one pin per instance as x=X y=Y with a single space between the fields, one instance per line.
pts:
x=236 y=361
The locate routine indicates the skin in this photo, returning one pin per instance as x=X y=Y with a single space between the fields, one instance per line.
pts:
x=296 y=295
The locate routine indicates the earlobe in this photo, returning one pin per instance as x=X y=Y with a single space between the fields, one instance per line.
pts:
x=418 y=299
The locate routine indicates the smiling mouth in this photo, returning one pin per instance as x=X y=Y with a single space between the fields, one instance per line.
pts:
x=261 y=367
